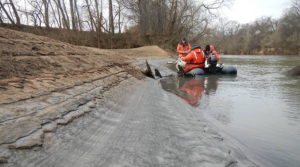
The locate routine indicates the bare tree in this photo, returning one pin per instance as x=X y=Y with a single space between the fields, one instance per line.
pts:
x=79 y=22
x=118 y=13
x=98 y=16
x=62 y=11
x=111 y=20
x=1 y=20
x=56 y=15
x=46 y=11
x=73 y=18
x=296 y=6
x=66 y=13
x=15 y=12
x=6 y=12
x=173 y=16
x=92 y=21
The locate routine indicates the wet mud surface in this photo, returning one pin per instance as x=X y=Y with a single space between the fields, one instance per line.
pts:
x=134 y=123
x=146 y=129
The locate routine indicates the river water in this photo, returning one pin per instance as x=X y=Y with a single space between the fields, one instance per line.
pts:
x=259 y=108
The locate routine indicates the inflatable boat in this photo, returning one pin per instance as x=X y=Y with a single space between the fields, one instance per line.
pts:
x=221 y=70
x=211 y=67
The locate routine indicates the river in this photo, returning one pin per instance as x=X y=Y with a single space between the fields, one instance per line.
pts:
x=259 y=109
x=244 y=120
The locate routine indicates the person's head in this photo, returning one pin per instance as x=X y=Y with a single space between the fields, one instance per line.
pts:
x=184 y=41
x=207 y=48
x=212 y=48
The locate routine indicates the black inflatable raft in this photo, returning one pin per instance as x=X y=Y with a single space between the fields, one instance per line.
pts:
x=225 y=70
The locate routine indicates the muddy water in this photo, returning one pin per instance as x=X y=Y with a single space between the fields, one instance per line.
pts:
x=259 y=108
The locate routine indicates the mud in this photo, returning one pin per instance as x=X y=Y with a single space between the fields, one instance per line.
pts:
x=66 y=105
x=146 y=129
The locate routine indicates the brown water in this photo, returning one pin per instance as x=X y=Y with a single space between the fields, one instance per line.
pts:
x=259 y=108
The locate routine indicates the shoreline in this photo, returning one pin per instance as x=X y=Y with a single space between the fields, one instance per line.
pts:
x=96 y=105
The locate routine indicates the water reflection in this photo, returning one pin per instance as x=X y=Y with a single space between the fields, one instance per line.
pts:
x=190 y=89
x=260 y=107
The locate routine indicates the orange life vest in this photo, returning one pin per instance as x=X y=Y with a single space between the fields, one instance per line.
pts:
x=213 y=51
x=195 y=59
x=183 y=50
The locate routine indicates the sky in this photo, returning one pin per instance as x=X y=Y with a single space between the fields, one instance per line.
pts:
x=245 y=11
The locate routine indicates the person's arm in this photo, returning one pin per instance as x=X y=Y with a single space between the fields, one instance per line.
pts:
x=188 y=58
x=217 y=55
x=179 y=49
x=189 y=48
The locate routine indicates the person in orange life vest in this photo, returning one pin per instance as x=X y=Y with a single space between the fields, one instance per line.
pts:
x=191 y=91
x=183 y=48
x=210 y=49
x=195 y=59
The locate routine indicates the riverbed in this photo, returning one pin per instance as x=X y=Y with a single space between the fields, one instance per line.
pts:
x=259 y=109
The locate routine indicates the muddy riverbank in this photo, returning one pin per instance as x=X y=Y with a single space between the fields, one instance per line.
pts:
x=64 y=105
x=135 y=124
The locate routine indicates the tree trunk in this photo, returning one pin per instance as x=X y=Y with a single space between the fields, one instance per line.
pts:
x=1 y=21
x=173 y=17
x=58 y=20
x=144 y=18
x=98 y=25
x=111 y=19
x=34 y=20
x=15 y=11
x=73 y=15
x=7 y=14
x=90 y=15
x=79 y=25
x=119 y=16
x=46 y=6
x=66 y=13
x=60 y=9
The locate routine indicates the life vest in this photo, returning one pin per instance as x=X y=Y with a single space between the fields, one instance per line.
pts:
x=214 y=52
x=181 y=49
x=195 y=59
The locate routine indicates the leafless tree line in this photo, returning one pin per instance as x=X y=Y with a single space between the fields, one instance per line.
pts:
x=266 y=33
x=172 y=19
x=67 y=14
x=168 y=17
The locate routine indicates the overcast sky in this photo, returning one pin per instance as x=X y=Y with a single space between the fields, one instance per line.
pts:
x=245 y=11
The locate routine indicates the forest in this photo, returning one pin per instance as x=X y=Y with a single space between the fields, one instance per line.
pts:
x=134 y=23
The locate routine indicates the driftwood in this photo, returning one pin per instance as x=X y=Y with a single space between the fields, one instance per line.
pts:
x=148 y=71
